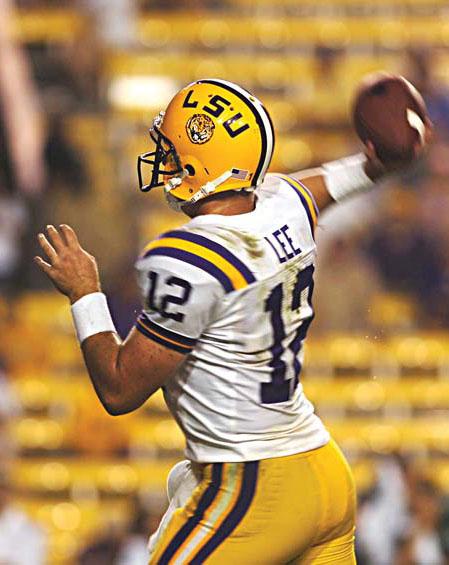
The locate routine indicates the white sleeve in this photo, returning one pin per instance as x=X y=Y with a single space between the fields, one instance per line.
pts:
x=179 y=300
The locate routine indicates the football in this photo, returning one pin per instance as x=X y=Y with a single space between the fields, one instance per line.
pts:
x=390 y=112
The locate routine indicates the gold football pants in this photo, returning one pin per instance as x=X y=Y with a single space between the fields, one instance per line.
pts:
x=298 y=509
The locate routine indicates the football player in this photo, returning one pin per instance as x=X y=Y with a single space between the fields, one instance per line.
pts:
x=226 y=309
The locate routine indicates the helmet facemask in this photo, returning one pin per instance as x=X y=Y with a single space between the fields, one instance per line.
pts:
x=164 y=161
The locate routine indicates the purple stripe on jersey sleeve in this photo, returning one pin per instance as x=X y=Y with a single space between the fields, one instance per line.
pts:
x=164 y=332
x=309 y=193
x=217 y=248
x=303 y=202
x=196 y=261
x=161 y=340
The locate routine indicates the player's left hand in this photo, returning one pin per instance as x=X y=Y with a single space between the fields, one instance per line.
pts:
x=70 y=268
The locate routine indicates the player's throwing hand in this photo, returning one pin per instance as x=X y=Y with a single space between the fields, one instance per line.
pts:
x=70 y=268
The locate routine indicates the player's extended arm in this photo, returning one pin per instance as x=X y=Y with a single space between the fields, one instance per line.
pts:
x=317 y=180
x=336 y=181
x=124 y=374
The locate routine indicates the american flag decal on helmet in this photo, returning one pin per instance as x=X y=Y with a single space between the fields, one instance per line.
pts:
x=239 y=174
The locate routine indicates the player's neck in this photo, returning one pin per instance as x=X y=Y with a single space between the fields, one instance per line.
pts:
x=225 y=204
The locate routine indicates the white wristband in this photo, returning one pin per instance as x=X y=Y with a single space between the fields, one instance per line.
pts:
x=91 y=316
x=346 y=177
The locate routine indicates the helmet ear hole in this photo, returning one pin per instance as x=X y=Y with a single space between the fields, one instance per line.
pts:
x=190 y=169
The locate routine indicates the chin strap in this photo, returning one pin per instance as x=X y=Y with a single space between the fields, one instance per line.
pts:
x=175 y=181
x=204 y=191
x=210 y=187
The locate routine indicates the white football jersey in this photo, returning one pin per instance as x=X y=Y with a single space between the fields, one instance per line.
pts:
x=234 y=294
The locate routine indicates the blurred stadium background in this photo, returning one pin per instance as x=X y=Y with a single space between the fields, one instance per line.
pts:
x=79 y=84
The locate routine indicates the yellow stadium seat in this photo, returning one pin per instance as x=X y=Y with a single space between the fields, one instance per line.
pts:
x=82 y=478
x=156 y=436
x=352 y=353
x=393 y=311
x=387 y=436
x=39 y=434
x=215 y=33
x=44 y=310
x=425 y=354
x=93 y=431
x=23 y=346
x=273 y=74
x=179 y=28
x=27 y=348
x=51 y=25
x=34 y=394
x=71 y=525
x=348 y=394
x=436 y=470
x=316 y=360
x=44 y=391
x=157 y=29
x=367 y=394
x=272 y=34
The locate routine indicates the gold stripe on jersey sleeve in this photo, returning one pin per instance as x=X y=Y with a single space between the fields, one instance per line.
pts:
x=234 y=275
x=162 y=337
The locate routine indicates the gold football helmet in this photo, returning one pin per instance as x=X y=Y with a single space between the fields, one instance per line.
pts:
x=214 y=136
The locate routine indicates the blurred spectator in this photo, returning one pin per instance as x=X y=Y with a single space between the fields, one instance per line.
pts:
x=22 y=145
x=13 y=226
x=436 y=95
x=22 y=142
x=22 y=542
x=134 y=548
x=325 y=100
x=40 y=3
x=66 y=174
x=65 y=163
x=104 y=549
x=422 y=544
x=383 y=516
x=186 y=5
x=444 y=527
x=407 y=257
x=68 y=74
x=345 y=285
x=121 y=545
x=9 y=408
x=116 y=21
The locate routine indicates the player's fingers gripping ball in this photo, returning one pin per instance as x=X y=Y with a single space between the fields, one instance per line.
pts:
x=391 y=119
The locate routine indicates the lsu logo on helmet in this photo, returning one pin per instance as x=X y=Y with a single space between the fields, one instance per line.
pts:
x=211 y=133
x=200 y=128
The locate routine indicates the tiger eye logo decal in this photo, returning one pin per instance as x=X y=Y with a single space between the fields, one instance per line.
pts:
x=200 y=128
